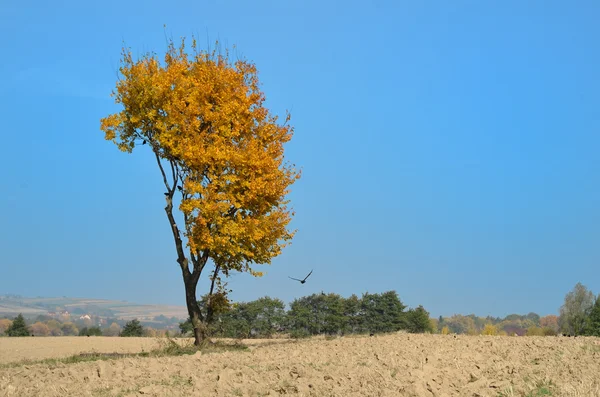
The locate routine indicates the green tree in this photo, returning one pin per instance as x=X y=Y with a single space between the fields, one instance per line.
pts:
x=353 y=316
x=417 y=320
x=534 y=318
x=317 y=314
x=382 y=312
x=18 y=327
x=69 y=329
x=535 y=331
x=459 y=324
x=576 y=309
x=186 y=327
x=91 y=331
x=301 y=318
x=133 y=328
x=267 y=315
x=593 y=320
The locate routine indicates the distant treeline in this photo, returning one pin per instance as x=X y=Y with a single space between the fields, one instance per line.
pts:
x=332 y=314
x=19 y=326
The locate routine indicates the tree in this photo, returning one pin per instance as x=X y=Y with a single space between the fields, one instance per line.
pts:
x=534 y=318
x=352 y=313
x=149 y=332
x=489 y=329
x=113 y=330
x=186 y=327
x=18 y=327
x=40 y=329
x=417 y=320
x=593 y=321
x=69 y=329
x=535 y=331
x=434 y=325
x=5 y=323
x=56 y=331
x=219 y=152
x=575 y=310
x=550 y=321
x=382 y=312
x=54 y=327
x=459 y=324
x=91 y=331
x=268 y=315
x=133 y=328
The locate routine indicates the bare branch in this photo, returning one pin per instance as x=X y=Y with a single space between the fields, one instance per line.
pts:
x=162 y=171
x=213 y=278
x=209 y=309
x=174 y=174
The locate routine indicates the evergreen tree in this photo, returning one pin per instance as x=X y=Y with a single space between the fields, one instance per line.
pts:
x=418 y=320
x=133 y=328
x=18 y=327
x=352 y=314
x=593 y=321
x=382 y=312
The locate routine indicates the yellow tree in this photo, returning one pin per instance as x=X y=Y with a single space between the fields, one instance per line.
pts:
x=489 y=329
x=40 y=329
x=4 y=324
x=221 y=158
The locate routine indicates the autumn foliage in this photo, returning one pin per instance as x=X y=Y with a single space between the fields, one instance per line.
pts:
x=218 y=149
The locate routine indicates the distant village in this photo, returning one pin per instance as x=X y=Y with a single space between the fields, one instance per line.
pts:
x=49 y=317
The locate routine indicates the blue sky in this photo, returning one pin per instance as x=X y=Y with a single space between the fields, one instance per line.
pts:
x=449 y=149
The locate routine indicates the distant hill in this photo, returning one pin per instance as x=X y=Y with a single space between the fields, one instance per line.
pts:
x=12 y=305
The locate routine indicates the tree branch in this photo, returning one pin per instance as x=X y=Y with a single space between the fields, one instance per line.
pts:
x=162 y=171
x=214 y=277
x=209 y=309
x=174 y=174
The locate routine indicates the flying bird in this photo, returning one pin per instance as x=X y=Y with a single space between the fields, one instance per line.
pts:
x=302 y=281
x=143 y=143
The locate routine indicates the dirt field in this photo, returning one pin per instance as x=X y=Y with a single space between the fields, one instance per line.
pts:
x=392 y=365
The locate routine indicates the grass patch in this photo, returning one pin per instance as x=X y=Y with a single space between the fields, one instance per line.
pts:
x=167 y=347
x=591 y=348
x=220 y=347
x=542 y=389
x=110 y=393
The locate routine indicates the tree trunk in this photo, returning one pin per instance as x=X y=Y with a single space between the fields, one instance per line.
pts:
x=190 y=279
x=194 y=311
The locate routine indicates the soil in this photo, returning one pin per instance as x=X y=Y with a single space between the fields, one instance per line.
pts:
x=387 y=365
